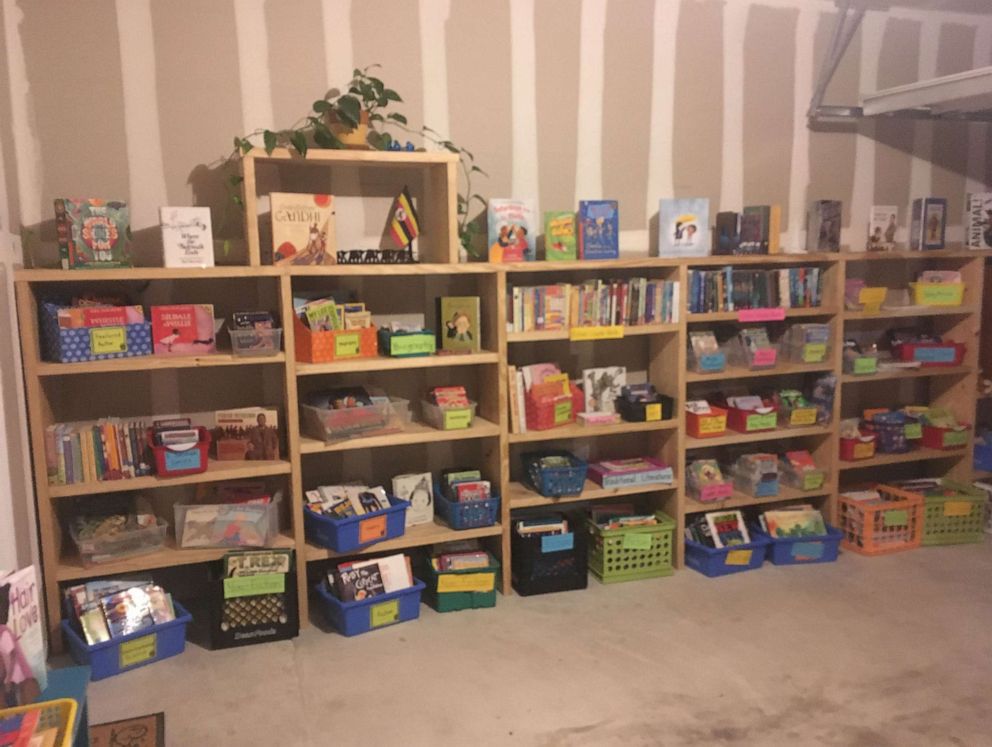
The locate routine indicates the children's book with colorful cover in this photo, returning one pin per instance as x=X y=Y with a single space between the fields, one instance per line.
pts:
x=92 y=233
x=183 y=329
x=599 y=229
x=22 y=639
x=459 y=319
x=302 y=229
x=512 y=230
x=560 y=240
x=978 y=220
x=795 y=523
x=684 y=227
x=727 y=528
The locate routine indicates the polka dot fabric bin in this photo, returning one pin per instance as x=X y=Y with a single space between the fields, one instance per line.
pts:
x=74 y=345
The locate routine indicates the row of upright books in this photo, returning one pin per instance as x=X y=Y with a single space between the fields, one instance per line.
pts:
x=734 y=289
x=597 y=302
x=110 y=449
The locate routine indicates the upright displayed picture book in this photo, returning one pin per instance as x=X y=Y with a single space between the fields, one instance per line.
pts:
x=928 y=223
x=512 y=230
x=684 y=227
x=734 y=289
x=183 y=329
x=459 y=318
x=760 y=229
x=187 y=238
x=599 y=229
x=978 y=220
x=823 y=223
x=726 y=233
x=418 y=490
x=302 y=229
x=727 y=528
x=357 y=580
x=602 y=387
x=560 y=239
x=92 y=233
x=250 y=433
x=22 y=638
x=882 y=227
x=794 y=521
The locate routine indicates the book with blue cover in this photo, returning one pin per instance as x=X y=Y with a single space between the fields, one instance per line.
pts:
x=599 y=229
x=684 y=227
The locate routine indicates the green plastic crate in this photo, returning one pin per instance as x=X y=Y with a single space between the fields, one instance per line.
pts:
x=436 y=582
x=956 y=518
x=632 y=553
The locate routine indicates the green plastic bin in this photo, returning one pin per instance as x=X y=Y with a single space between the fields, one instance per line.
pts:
x=632 y=553
x=956 y=518
x=472 y=588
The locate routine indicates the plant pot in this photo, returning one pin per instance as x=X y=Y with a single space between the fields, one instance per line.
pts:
x=355 y=138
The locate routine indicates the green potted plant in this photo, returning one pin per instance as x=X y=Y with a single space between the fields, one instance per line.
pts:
x=350 y=116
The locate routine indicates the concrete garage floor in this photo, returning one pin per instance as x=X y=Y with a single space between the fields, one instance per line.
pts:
x=866 y=652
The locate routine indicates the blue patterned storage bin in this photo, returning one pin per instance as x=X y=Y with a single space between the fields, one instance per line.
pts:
x=76 y=345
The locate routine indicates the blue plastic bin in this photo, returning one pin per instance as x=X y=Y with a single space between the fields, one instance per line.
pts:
x=802 y=550
x=346 y=535
x=554 y=482
x=715 y=562
x=466 y=514
x=983 y=455
x=355 y=618
x=131 y=651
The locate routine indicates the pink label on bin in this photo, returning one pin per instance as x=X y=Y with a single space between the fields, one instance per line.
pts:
x=761 y=315
x=765 y=356
x=715 y=492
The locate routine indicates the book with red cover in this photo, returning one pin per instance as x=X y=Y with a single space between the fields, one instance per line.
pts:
x=183 y=329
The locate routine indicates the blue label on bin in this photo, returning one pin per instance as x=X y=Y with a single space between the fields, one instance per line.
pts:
x=180 y=460
x=807 y=550
x=934 y=355
x=712 y=362
x=557 y=542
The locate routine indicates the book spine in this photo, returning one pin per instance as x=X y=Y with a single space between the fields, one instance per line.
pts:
x=63 y=230
x=511 y=380
x=51 y=456
x=61 y=445
x=521 y=402
x=77 y=458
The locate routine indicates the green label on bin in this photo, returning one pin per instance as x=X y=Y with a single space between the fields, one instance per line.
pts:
x=458 y=418
x=761 y=422
x=895 y=518
x=107 y=340
x=955 y=438
x=563 y=412
x=914 y=430
x=138 y=651
x=637 y=541
x=813 y=480
x=251 y=586
x=941 y=294
x=384 y=613
x=814 y=352
x=412 y=344
x=347 y=346
x=867 y=364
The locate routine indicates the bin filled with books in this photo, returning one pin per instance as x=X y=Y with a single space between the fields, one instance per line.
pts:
x=351 y=412
x=364 y=595
x=460 y=579
x=798 y=535
x=554 y=473
x=464 y=500
x=233 y=514
x=448 y=408
x=254 y=333
x=953 y=512
x=627 y=546
x=344 y=518
x=327 y=330
x=880 y=520
x=718 y=543
x=115 y=526
x=115 y=625
x=549 y=553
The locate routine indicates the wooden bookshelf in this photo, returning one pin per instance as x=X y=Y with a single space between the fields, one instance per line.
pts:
x=521 y=496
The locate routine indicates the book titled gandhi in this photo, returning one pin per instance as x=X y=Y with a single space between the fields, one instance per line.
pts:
x=302 y=229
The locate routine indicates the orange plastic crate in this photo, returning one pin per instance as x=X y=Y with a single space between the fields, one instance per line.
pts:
x=707 y=426
x=342 y=344
x=893 y=525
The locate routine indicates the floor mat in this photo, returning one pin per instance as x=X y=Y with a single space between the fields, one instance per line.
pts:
x=143 y=731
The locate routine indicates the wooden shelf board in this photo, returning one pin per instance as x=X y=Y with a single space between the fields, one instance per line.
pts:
x=346 y=156
x=413 y=433
x=907 y=255
x=71 y=567
x=592 y=431
x=982 y=474
x=538 y=335
x=385 y=363
x=742 y=500
x=908 y=373
x=157 y=363
x=146 y=273
x=588 y=265
x=438 y=268
x=917 y=455
x=215 y=471
x=731 y=316
x=795 y=258
x=520 y=496
x=733 y=437
x=737 y=372
x=422 y=534
x=912 y=311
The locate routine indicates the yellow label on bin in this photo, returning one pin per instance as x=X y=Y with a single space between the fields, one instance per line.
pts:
x=458 y=418
x=712 y=423
x=452 y=582
x=955 y=438
x=652 y=412
x=138 y=651
x=914 y=430
x=563 y=412
x=384 y=613
x=738 y=557
x=865 y=364
x=252 y=586
x=957 y=508
x=347 y=346
x=814 y=352
x=637 y=541
x=895 y=517
x=803 y=416
x=106 y=340
x=612 y=332
x=864 y=450
x=813 y=480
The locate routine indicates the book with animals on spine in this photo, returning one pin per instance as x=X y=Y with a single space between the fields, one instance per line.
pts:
x=92 y=233
x=978 y=220
x=187 y=240
x=512 y=230
x=302 y=229
x=599 y=229
x=684 y=227
x=560 y=241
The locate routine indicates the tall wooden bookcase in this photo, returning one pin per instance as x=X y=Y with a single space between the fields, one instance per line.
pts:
x=159 y=386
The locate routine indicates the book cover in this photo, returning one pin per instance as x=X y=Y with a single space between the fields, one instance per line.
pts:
x=251 y=433
x=933 y=222
x=795 y=523
x=92 y=233
x=355 y=584
x=598 y=223
x=823 y=226
x=459 y=318
x=183 y=329
x=684 y=227
x=560 y=240
x=512 y=230
x=302 y=229
x=882 y=227
x=187 y=238
x=727 y=528
x=418 y=490
x=752 y=240
x=726 y=236
x=602 y=387
x=81 y=317
x=978 y=220
x=22 y=639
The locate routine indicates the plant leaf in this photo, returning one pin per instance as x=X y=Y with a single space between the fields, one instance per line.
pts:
x=320 y=105
x=390 y=94
x=376 y=117
x=480 y=198
x=349 y=109
x=397 y=117
x=324 y=138
x=332 y=93
x=476 y=170
x=246 y=146
x=448 y=145
x=377 y=84
x=269 y=139
x=299 y=141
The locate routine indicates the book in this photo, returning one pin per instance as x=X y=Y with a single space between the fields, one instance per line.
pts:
x=250 y=433
x=356 y=584
x=928 y=223
x=882 y=228
x=978 y=220
x=823 y=223
x=795 y=523
x=92 y=233
x=774 y=229
x=560 y=240
x=393 y=569
x=302 y=229
x=602 y=387
x=752 y=235
x=727 y=528
x=726 y=234
x=459 y=317
x=684 y=227
x=183 y=329
x=512 y=234
x=418 y=490
x=82 y=317
x=22 y=638
x=187 y=239
x=598 y=224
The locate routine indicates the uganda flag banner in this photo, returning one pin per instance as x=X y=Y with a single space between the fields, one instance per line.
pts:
x=405 y=225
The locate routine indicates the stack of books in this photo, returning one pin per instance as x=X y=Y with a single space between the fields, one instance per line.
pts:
x=735 y=289
x=358 y=580
x=345 y=501
x=114 y=608
x=327 y=314
x=107 y=449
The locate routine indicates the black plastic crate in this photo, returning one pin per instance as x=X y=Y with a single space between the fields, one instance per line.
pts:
x=542 y=565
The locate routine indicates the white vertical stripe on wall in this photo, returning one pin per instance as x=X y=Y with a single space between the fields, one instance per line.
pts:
x=28 y=165
x=434 y=65
x=589 y=140
x=336 y=17
x=732 y=183
x=921 y=169
x=802 y=90
x=523 y=100
x=660 y=180
x=863 y=189
x=978 y=133
x=253 y=65
x=146 y=170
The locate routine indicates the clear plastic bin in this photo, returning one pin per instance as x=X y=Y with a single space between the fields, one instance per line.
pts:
x=247 y=342
x=448 y=418
x=227 y=524
x=334 y=425
x=106 y=549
